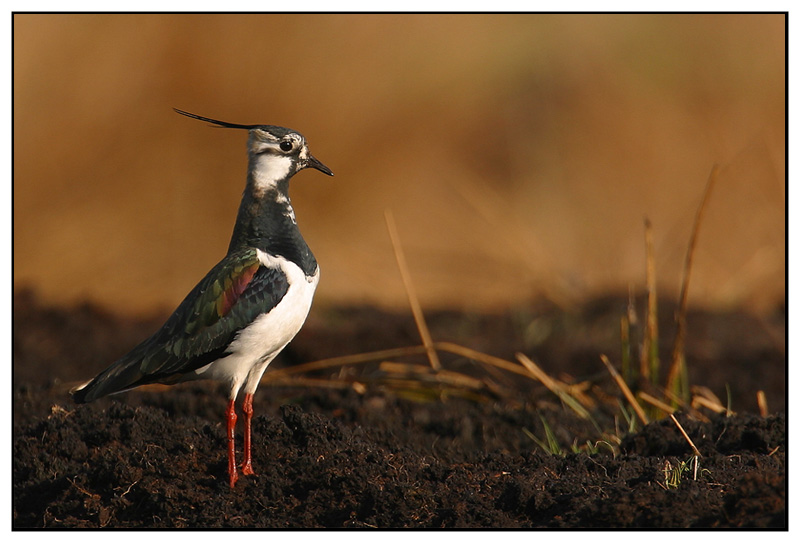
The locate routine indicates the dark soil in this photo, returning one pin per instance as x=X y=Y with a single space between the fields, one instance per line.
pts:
x=391 y=453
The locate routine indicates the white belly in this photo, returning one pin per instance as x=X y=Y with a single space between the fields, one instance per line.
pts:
x=258 y=344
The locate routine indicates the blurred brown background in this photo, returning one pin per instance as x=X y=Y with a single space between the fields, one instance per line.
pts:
x=518 y=153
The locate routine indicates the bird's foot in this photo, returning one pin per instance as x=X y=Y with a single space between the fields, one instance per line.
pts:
x=247 y=468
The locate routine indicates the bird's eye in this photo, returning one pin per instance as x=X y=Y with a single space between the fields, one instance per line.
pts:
x=286 y=146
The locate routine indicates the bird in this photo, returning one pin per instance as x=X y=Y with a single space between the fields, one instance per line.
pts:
x=248 y=307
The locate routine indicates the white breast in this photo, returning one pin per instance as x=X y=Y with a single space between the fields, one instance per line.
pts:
x=256 y=345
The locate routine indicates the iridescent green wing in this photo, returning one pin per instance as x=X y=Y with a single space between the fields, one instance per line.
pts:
x=233 y=294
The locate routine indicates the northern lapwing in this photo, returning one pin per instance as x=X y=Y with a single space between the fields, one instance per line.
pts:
x=250 y=305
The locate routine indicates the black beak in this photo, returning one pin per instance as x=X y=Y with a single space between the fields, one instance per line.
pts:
x=312 y=162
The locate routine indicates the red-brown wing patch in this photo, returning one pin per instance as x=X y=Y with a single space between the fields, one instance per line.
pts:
x=233 y=287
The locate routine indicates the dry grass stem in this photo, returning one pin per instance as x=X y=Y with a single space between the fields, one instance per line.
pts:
x=702 y=401
x=351 y=359
x=478 y=356
x=625 y=340
x=704 y=397
x=413 y=300
x=556 y=387
x=677 y=369
x=655 y=402
x=539 y=374
x=762 y=403
x=424 y=373
x=628 y=329
x=689 y=408
x=649 y=356
x=707 y=393
x=625 y=390
x=685 y=435
x=577 y=391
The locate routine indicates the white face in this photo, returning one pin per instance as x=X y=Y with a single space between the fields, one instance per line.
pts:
x=274 y=158
x=270 y=168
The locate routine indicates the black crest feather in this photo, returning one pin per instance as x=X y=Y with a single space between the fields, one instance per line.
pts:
x=216 y=122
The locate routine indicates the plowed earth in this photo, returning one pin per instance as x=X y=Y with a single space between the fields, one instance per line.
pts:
x=398 y=450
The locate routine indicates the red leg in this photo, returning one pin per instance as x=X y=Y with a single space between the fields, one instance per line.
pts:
x=247 y=409
x=230 y=415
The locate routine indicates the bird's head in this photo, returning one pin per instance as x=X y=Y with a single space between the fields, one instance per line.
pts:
x=275 y=153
